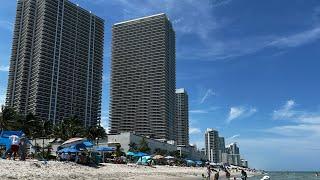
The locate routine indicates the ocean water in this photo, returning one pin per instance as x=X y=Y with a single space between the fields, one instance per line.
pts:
x=289 y=176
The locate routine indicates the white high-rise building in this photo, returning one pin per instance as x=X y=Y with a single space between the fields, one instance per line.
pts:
x=212 y=145
x=234 y=154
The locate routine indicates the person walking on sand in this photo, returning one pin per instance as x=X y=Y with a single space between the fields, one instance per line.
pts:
x=23 y=148
x=227 y=174
x=15 y=141
x=243 y=175
x=216 y=175
x=208 y=171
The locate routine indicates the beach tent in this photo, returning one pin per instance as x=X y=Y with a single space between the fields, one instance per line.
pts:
x=88 y=144
x=144 y=160
x=72 y=149
x=78 y=143
x=140 y=154
x=105 y=149
x=4 y=137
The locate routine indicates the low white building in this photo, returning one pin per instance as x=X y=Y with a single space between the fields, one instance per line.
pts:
x=126 y=138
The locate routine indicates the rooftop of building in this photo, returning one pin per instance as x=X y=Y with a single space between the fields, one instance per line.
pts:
x=180 y=90
x=138 y=19
x=210 y=129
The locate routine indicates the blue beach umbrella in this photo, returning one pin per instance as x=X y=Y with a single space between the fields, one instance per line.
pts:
x=129 y=153
x=88 y=144
x=140 y=154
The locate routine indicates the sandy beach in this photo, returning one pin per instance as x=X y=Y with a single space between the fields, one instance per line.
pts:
x=67 y=170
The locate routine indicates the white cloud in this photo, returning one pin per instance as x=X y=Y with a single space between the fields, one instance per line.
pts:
x=301 y=123
x=285 y=111
x=233 y=137
x=300 y=150
x=2 y=96
x=105 y=121
x=300 y=130
x=298 y=39
x=4 y=68
x=309 y=118
x=288 y=112
x=6 y=25
x=240 y=112
x=204 y=111
x=193 y=130
x=196 y=18
x=198 y=111
x=235 y=112
x=106 y=78
x=198 y=143
x=208 y=94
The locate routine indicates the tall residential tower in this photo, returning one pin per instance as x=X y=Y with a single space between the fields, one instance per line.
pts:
x=143 y=77
x=56 y=61
x=212 y=145
x=182 y=117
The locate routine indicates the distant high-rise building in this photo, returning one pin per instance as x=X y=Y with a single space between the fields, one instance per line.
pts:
x=244 y=163
x=212 y=145
x=233 y=149
x=182 y=117
x=222 y=148
x=56 y=61
x=234 y=154
x=143 y=77
x=222 y=145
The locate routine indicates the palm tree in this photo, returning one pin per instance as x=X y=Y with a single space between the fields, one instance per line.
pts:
x=8 y=118
x=30 y=125
x=144 y=146
x=133 y=147
x=71 y=127
x=45 y=131
x=96 y=132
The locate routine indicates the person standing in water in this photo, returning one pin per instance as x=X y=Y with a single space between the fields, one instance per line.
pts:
x=15 y=141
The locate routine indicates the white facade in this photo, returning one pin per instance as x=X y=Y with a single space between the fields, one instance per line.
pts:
x=124 y=139
x=212 y=145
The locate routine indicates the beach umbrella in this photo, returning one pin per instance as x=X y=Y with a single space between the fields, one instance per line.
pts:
x=88 y=144
x=140 y=154
x=68 y=150
x=144 y=159
x=129 y=153
x=157 y=157
x=73 y=141
x=169 y=157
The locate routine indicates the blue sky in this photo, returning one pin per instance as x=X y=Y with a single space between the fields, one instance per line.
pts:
x=251 y=69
